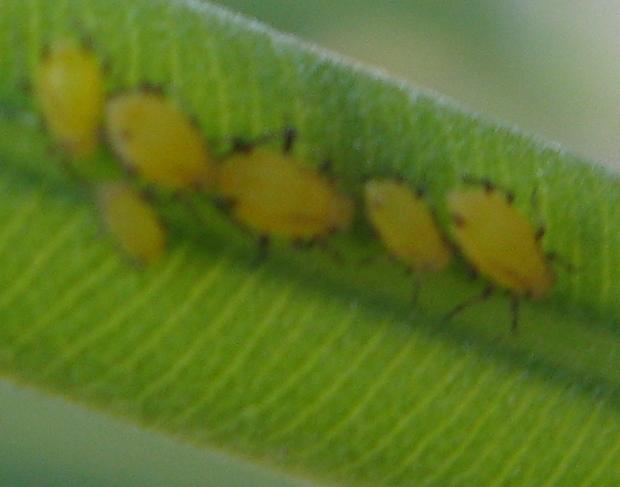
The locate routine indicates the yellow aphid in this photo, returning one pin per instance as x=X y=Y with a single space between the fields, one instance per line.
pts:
x=157 y=141
x=271 y=193
x=131 y=221
x=500 y=243
x=405 y=225
x=70 y=90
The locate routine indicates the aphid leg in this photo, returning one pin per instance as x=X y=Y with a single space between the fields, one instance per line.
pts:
x=240 y=144
x=514 y=310
x=223 y=204
x=262 y=252
x=303 y=244
x=483 y=296
x=290 y=134
x=326 y=167
x=417 y=284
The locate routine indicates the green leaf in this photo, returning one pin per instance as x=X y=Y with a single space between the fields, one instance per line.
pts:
x=311 y=364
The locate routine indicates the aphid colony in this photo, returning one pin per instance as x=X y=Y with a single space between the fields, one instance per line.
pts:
x=268 y=190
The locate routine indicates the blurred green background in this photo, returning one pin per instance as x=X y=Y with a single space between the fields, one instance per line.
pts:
x=550 y=67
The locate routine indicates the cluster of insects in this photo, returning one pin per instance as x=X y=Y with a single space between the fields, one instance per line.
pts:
x=267 y=189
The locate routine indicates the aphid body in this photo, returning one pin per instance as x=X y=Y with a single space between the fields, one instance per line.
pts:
x=500 y=243
x=271 y=193
x=406 y=225
x=157 y=141
x=70 y=89
x=131 y=221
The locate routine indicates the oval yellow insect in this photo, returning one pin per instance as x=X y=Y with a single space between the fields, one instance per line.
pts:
x=132 y=222
x=157 y=141
x=501 y=244
x=406 y=225
x=271 y=193
x=70 y=89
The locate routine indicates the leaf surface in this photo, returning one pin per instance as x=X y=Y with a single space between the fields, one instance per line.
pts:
x=306 y=362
